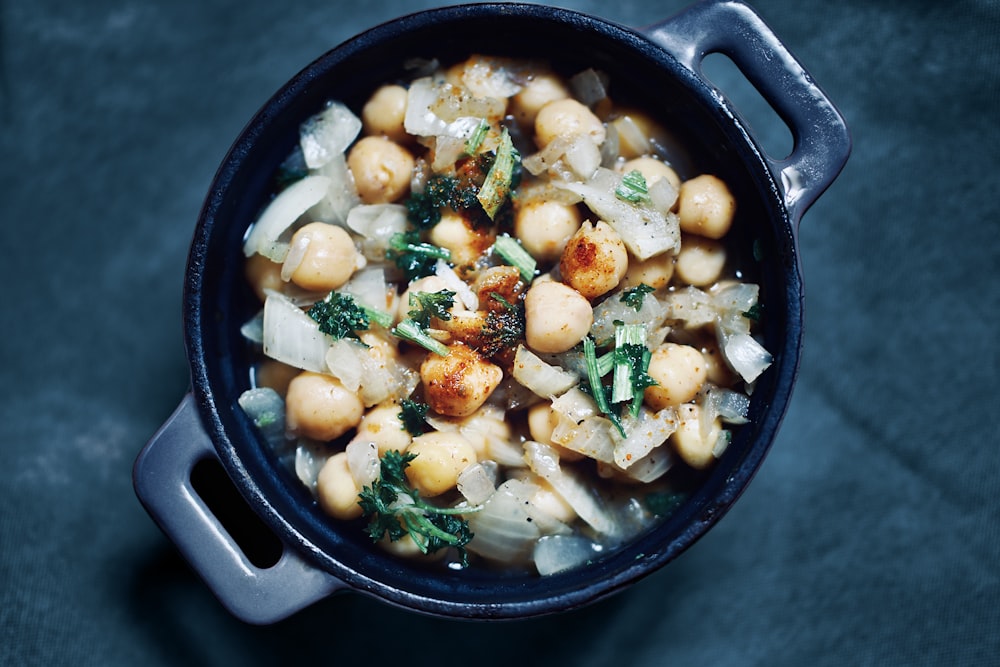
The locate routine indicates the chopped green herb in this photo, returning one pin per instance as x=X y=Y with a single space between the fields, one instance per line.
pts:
x=498 y=184
x=396 y=509
x=414 y=417
x=426 y=305
x=634 y=296
x=631 y=364
x=338 y=315
x=633 y=188
x=503 y=329
x=754 y=313
x=424 y=209
x=411 y=331
x=414 y=258
x=597 y=388
x=512 y=252
x=473 y=143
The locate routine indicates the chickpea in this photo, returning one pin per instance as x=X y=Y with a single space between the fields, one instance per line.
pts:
x=381 y=169
x=275 y=374
x=544 y=226
x=694 y=447
x=567 y=118
x=318 y=406
x=440 y=458
x=655 y=271
x=539 y=90
x=384 y=111
x=700 y=261
x=336 y=490
x=594 y=260
x=653 y=170
x=459 y=383
x=328 y=257
x=263 y=274
x=382 y=426
x=455 y=234
x=556 y=317
x=679 y=371
x=706 y=206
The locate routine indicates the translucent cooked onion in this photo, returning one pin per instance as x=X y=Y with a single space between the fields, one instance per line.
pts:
x=341 y=196
x=456 y=285
x=363 y=461
x=645 y=433
x=543 y=379
x=612 y=310
x=292 y=337
x=652 y=466
x=369 y=288
x=267 y=410
x=645 y=230
x=583 y=156
x=328 y=134
x=344 y=362
x=746 y=356
x=477 y=483
x=590 y=437
x=490 y=77
x=377 y=223
x=309 y=460
x=557 y=553
x=281 y=214
x=589 y=86
x=690 y=305
x=544 y=462
x=503 y=529
x=253 y=329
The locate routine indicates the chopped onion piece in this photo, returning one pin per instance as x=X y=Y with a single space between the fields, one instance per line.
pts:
x=575 y=405
x=309 y=460
x=266 y=409
x=293 y=258
x=663 y=195
x=253 y=329
x=557 y=553
x=363 y=461
x=590 y=437
x=652 y=313
x=476 y=484
x=327 y=134
x=746 y=356
x=690 y=305
x=343 y=359
x=292 y=337
x=456 y=285
x=504 y=531
x=652 y=466
x=544 y=462
x=631 y=135
x=341 y=196
x=589 y=86
x=545 y=380
x=281 y=214
x=645 y=230
x=647 y=432
x=369 y=288
x=490 y=77
x=583 y=156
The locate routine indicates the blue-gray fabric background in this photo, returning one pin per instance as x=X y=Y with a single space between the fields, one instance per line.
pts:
x=870 y=536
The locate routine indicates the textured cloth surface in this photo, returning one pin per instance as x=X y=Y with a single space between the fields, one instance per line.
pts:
x=870 y=535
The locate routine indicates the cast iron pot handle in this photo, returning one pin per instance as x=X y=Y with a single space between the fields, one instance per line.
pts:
x=162 y=479
x=821 y=139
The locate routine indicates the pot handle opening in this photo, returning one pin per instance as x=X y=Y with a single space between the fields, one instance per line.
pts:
x=259 y=593
x=821 y=139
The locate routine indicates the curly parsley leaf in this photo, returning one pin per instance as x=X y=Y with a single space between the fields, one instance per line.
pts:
x=413 y=416
x=634 y=296
x=396 y=509
x=338 y=315
x=426 y=305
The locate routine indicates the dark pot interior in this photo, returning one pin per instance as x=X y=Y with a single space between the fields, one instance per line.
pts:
x=217 y=300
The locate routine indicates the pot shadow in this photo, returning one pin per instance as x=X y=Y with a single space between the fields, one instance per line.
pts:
x=184 y=623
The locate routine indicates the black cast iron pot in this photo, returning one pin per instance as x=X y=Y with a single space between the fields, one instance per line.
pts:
x=658 y=69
